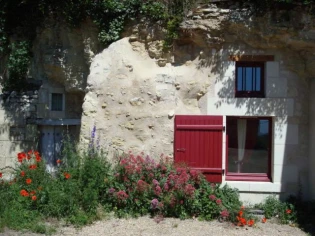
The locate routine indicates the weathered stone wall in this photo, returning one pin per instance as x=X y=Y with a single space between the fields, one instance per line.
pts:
x=60 y=64
x=16 y=134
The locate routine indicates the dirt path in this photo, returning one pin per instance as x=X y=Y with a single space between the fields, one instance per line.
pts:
x=145 y=226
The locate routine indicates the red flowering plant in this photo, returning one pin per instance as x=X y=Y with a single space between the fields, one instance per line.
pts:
x=178 y=190
x=243 y=218
x=143 y=179
x=30 y=175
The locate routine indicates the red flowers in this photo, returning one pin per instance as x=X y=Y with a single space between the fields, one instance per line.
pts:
x=29 y=155
x=28 y=181
x=66 y=175
x=250 y=222
x=32 y=167
x=22 y=173
x=24 y=193
x=242 y=220
x=21 y=156
x=288 y=211
x=38 y=159
x=34 y=198
x=0 y=175
x=263 y=220
x=58 y=161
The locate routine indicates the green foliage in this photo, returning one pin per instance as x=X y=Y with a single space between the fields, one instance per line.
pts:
x=143 y=186
x=95 y=180
x=85 y=184
x=284 y=211
x=18 y=63
x=172 y=27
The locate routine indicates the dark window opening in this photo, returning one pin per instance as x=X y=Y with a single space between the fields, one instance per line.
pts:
x=56 y=101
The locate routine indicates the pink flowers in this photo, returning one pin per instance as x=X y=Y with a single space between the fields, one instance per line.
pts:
x=218 y=201
x=157 y=190
x=122 y=195
x=111 y=190
x=142 y=185
x=225 y=213
x=155 y=182
x=154 y=203
x=214 y=198
x=189 y=190
x=166 y=187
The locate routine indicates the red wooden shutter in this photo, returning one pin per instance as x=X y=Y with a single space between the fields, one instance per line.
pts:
x=198 y=142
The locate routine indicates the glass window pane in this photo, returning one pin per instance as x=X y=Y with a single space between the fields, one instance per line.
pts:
x=258 y=81
x=249 y=79
x=239 y=79
x=248 y=145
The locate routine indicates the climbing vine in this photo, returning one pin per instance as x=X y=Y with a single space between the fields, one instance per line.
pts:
x=19 y=20
x=18 y=64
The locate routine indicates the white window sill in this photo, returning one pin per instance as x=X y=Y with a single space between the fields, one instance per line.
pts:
x=263 y=187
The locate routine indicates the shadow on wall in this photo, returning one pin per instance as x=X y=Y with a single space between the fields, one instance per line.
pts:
x=289 y=157
x=16 y=134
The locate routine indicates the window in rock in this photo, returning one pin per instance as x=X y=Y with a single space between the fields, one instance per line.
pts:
x=248 y=148
x=249 y=79
x=56 y=101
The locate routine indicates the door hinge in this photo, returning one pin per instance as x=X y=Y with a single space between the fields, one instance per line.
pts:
x=223 y=171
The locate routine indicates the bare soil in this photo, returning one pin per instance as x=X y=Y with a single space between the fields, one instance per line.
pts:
x=145 y=226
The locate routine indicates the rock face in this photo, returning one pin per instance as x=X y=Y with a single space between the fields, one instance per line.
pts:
x=132 y=101
x=290 y=30
x=62 y=55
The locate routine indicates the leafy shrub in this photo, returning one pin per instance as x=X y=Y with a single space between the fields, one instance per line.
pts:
x=83 y=183
x=142 y=186
x=284 y=211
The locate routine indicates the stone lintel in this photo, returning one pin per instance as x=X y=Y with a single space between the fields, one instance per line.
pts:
x=251 y=57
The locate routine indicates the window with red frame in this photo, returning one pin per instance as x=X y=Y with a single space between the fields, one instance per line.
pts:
x=248 y=148
x=249 y=79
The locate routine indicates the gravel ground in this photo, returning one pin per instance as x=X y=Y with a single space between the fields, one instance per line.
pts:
x=145 y=226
